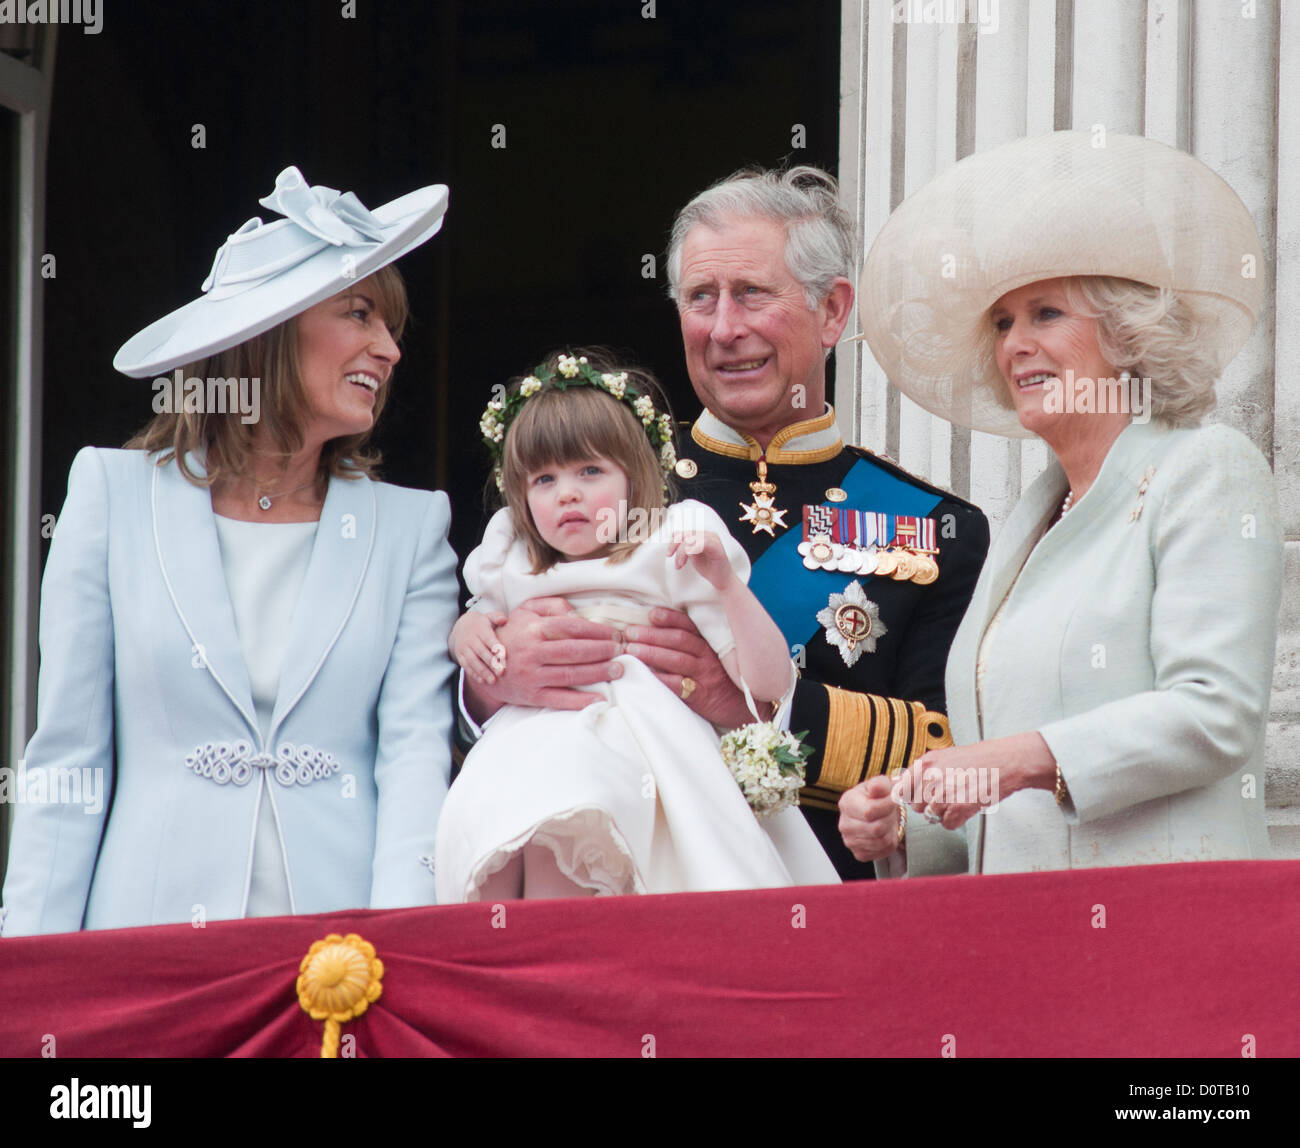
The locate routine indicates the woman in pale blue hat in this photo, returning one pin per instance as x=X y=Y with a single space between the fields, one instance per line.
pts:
x=244 y=697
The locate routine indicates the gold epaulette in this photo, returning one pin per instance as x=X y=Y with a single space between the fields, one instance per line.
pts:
x=867 y=734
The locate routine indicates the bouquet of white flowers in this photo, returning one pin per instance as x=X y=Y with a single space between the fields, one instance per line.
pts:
x=768 y=765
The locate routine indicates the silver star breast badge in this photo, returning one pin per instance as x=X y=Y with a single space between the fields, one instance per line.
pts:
x=852 y=623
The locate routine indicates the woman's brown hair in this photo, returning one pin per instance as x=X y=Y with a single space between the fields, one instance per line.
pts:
x=271 y=359
x=556 y=427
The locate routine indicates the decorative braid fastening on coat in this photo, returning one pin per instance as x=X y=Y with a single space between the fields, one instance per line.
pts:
x=233 y=762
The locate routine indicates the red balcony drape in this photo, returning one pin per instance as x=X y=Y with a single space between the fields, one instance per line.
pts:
x=1159 y=961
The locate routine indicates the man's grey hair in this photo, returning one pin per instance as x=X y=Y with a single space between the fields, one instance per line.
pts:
x=820 y=243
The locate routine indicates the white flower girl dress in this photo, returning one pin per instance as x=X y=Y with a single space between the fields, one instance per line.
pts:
x=630 y=794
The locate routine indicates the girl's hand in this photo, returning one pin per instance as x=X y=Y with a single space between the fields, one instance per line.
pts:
x=475 y=647
x=553 y=652
x=704 y=550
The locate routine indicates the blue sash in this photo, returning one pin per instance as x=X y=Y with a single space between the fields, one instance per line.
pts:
x=792 y=593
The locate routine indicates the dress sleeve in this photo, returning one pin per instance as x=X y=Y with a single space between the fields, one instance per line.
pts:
x=688 y=589
x=54 y=844
x=485 y=566
x=1217 y=550
x=413 y=762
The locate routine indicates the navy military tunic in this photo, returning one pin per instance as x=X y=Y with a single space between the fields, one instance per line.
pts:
x=885 y=710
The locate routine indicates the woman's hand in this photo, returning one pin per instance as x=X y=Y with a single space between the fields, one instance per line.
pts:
x=675 y=652
x=951 y=785
x=703 y=549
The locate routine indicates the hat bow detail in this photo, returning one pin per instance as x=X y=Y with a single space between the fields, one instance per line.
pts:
x=259 y=250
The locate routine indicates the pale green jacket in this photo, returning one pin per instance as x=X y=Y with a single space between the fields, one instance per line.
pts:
x=1138 y=639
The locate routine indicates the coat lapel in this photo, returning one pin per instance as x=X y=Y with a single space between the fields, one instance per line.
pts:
x=339 y=559
x=1109 y=500
x=1020 y=533
x=185 y=534
x=1107 y=505
x=1007 y=555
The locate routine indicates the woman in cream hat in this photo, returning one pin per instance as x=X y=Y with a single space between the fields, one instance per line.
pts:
x=244 y=700
x=1109 y=684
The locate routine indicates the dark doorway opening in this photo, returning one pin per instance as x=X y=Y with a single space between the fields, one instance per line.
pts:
x=612 y=114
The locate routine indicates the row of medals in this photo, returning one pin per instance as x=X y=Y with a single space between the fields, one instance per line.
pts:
x=900 y=563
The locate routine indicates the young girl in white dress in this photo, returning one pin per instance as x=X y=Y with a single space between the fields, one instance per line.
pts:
x=630 y=794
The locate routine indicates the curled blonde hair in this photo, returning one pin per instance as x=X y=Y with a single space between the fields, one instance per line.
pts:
x=1153 y=333
x=226 y=441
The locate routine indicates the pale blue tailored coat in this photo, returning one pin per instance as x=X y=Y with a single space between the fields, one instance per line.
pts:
x=142 y=678
x=1139 y=641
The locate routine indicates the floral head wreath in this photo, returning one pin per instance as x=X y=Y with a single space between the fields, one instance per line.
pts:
x=576 y=372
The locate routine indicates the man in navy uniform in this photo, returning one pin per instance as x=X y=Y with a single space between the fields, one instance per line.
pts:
x=866 y=569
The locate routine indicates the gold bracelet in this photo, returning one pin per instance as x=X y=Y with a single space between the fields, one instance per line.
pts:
x=1061 y=792
x=902 y=825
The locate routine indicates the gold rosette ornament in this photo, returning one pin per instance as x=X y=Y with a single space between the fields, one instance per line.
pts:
x=337 y=981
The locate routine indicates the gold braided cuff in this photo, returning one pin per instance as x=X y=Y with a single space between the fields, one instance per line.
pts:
x=879 y=712
x=900 y=734
x=867 y=735
x=937 y=733
x=848 y=734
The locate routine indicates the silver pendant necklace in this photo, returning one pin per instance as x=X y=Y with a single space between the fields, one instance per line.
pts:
x=265 y=500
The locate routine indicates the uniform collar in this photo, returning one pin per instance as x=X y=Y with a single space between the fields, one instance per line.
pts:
x=812 y=440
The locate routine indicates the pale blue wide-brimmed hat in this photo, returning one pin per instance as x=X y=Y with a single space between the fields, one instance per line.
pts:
x=266 y=273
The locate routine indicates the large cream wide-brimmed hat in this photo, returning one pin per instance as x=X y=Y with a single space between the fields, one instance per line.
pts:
x=1047 y=207
x=266 y=273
